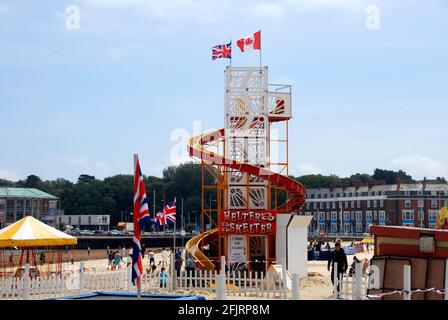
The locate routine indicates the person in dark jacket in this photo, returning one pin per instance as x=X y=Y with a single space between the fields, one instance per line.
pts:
x=338 y=256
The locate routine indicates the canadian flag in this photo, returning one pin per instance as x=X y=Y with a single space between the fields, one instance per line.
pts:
x=252 y=42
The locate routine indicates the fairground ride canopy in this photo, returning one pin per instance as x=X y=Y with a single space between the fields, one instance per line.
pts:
x=30 y=232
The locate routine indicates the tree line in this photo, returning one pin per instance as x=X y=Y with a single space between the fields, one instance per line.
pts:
x=114 y=195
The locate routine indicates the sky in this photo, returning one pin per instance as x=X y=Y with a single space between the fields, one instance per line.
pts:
x=369 y=81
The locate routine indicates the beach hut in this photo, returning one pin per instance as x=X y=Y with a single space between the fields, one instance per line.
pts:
x=32 y=241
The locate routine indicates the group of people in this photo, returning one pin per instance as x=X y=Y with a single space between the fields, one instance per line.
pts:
x=114 y=259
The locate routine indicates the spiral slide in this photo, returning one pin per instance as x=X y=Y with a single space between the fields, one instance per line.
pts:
x=197 y=148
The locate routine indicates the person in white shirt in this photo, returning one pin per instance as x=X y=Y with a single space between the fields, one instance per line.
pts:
x=165 y=256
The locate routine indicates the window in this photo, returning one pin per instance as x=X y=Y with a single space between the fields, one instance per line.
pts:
x=358 y=227
x=358 y=204
x=90 y=219
x=346 y=204
x=381 y=203
x=319 y=196
x=333 y=205
x=321 y=205
x=407 y=203
x=338 y=195
x=352 y=204
x=79 y=220
x=327 y=205
x=375 y=215
x=369 y=215
x=445 y=202
x=314 y=205
x=313 y=196
x=382 y=215
x=375 y=203
x=434 y=203
x=328 y=215
x=358 y=215
x=334 y=227
x=407 y=214
x=321 y=215
x=347 y=228
x=346 y=215
x=421 y=214
x=325 y=195
x=368 y=203
x=331 y=195
x=69 y=220
x=315 y=215
x=353 y=215
x=334 y=215
x=421 y=203
x=432 y=215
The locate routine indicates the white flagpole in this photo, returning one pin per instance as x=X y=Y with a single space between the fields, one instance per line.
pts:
x=139 y=288
x=174 y=242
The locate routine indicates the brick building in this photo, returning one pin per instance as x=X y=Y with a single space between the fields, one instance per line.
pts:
x=351 y=211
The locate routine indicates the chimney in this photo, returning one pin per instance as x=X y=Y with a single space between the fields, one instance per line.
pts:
x=398 y=180
x=424 y=184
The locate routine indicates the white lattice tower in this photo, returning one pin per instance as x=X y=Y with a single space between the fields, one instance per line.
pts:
x=246 y=134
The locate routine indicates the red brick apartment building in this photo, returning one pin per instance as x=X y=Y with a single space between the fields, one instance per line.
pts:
x=351 y=211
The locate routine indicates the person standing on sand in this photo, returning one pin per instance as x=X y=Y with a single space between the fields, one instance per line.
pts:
x=338 y=256
x=165 y=256
x=88 y=251
x=189 y=267
x=152 y=260
x=163 y=278
x=110 y=257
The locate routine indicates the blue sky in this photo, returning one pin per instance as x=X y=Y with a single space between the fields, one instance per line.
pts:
x=137 y=73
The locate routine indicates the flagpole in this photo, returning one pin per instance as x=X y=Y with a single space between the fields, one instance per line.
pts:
x=154 y=204
x=139 y=288
x=230 y=54
x=174 y=238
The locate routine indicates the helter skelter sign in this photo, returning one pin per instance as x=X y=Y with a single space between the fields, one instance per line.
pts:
x=248 y=222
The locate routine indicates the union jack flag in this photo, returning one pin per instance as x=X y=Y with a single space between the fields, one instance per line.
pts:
x=168 y=215
x=222 y=51
x=141 y=217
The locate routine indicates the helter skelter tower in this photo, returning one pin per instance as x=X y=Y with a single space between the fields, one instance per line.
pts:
x=245 y=183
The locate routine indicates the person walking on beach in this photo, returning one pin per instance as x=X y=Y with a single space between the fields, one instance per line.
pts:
x=88 y=251
x=110 y=257
x=338 y=256
x=152 y=260
x=178 y=263
x=189 y=267
x=118 y=258
x=165 y=256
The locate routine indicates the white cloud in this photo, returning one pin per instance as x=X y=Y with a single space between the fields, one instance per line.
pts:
x=4 y=8
x=88 y=165
x=119 y=52
x=269 y=9
x=308 y=168
x=9 y=175
x=325 y=4
x=421 y=166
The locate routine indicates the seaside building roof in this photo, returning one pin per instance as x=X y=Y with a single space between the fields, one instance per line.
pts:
x=24 y=193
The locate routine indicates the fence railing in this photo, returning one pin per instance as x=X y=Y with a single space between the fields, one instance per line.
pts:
x=357 y=287
x=221 y=284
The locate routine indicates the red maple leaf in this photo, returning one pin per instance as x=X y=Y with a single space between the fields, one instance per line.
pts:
x=248 y=41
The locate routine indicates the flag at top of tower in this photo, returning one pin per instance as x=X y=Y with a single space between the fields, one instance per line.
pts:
x=222 y=51
x=252 y=42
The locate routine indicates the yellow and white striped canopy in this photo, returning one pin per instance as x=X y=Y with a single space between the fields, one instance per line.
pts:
x=30 y=232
